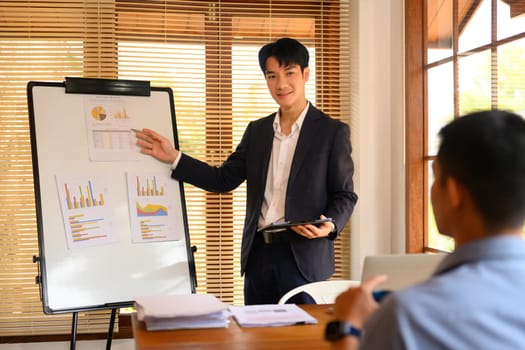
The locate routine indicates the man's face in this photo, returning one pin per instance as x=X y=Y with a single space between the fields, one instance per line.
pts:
x=286 y=84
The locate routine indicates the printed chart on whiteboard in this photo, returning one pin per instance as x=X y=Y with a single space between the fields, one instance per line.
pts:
x=86 y=202
x=154 y=210
x=108 y=127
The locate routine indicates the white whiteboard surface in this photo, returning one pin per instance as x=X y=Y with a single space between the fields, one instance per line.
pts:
x=100 y=276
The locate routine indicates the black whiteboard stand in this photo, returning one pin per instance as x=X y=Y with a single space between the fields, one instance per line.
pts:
x=74 y=324
x=110 y=329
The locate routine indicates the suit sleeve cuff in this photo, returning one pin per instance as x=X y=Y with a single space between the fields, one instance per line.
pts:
x=176 y=161
x=333 y=234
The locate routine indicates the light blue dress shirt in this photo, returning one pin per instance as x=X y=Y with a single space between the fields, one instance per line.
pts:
x=474 y=300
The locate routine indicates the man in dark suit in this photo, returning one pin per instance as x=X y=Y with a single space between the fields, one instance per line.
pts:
x=298 y=166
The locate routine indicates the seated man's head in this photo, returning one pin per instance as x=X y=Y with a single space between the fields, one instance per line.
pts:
x=481 y=164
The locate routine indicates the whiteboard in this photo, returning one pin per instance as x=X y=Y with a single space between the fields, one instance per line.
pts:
x=108 y=261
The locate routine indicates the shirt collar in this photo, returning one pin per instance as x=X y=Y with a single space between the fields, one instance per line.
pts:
x=499 y=247
x=296 y=126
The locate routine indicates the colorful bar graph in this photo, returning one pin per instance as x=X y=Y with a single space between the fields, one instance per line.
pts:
x=149 y=230
x=150 y=189
x=85 y=199
x=81 y=229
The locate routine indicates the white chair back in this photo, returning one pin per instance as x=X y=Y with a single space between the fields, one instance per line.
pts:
x=323 y=292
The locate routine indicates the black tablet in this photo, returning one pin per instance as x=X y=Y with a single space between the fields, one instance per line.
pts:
x=278 y=226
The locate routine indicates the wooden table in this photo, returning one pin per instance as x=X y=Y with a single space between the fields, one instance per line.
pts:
x=235 y=338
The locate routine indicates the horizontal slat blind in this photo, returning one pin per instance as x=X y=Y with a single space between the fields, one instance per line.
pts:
x=206 y=51
x=39 y=40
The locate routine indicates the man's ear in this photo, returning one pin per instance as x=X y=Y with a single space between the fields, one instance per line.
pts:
x=306 y=74
x=455 y=192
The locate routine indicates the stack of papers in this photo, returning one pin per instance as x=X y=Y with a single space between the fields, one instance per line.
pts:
x=188 y=311
x=271 y=315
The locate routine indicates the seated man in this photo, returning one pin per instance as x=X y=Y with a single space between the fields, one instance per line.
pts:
x=475 y=299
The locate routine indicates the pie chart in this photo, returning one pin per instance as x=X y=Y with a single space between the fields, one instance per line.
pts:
x=98 y=113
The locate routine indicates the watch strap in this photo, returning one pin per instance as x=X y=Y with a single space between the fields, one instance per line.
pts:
x=338 y=329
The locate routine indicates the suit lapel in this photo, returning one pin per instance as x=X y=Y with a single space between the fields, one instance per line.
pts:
x=304 y=143
x=266 y=136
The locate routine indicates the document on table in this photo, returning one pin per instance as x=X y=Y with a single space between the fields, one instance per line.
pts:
x=181 y=311
x=270 y=315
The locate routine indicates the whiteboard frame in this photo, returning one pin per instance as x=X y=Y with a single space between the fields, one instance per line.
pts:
x=112 y=275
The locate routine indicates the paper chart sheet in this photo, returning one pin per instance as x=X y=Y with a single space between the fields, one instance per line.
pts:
x=86 y=202
x=108 y=126
x=154 y=211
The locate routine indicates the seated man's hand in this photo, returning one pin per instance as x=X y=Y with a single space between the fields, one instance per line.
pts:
x=355 y=305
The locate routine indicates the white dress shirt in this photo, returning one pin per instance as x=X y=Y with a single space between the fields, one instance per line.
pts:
x=283 y=150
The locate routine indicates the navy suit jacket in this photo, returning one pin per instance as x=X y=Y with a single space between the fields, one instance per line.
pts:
x=320 y=182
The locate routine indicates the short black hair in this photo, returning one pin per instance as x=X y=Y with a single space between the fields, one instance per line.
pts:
x=485 y=152
x=287 y=51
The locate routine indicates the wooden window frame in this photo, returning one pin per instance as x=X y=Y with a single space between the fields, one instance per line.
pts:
x=417 y=155
x=415 y=101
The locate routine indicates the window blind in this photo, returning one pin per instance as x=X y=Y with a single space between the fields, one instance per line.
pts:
x=206 y=52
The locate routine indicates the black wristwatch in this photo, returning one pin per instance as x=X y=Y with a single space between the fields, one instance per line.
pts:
x=333 y=234
x=336 y=330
